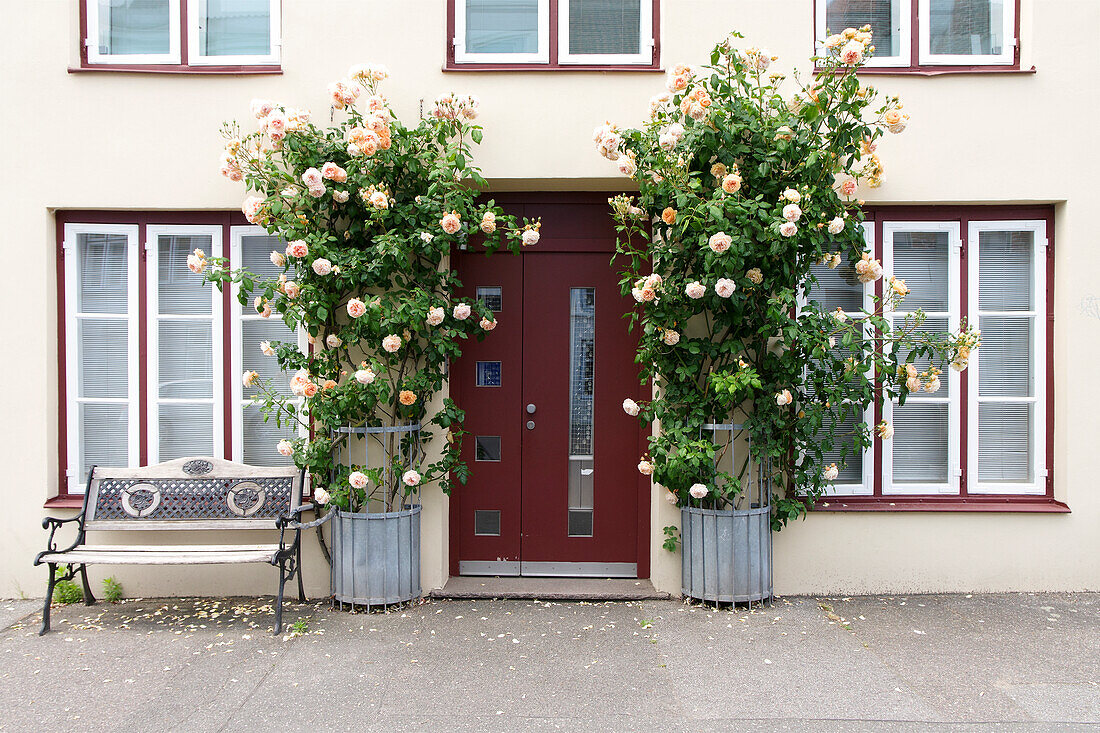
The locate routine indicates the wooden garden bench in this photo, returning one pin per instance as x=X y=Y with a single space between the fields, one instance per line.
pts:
x=184 y=494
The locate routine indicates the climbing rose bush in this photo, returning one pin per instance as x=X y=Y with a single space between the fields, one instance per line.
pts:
x=369 y=209
x=746 y=189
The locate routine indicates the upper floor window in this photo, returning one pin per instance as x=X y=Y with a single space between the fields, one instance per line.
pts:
x=553 y=33
x=180 y=34
x=929 y=34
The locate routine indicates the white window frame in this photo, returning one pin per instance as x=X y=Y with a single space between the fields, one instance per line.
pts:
x=91 y=41
x=1006 y=57
x=904 y=28
x=237 y=318
x=153 y=319
x=195 y=13
x=1038 y=312
x=541 y=56
x=953 y=401
x=646 y=41
x=74 y=442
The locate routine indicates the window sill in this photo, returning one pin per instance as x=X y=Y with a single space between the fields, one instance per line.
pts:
x=64 y=502
x=937 y=70
x=1004 y=504
x=451 y=66
x=179 y=70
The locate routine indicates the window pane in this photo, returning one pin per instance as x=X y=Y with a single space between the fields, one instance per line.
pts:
x=920 y=258
x=581 y=369
x=967 y=27
x=260 y=439
x=104 y=266
x=134 y=27
x=256 y=258
x=1005 y=276
x=839 y=288
x=1004 y=366
x=1004 y=442
x=180 y=291
x=919 y=444
x=932 y=328
x=884 y=17
x=253 y=332
x=502 y=26
x=104 y=436
x=236 y=28
x=605 y=26
x=103 y=364
x=185 y=360
x=185 y=430
x=843 y=454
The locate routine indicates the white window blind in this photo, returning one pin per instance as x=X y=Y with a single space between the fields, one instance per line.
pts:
x=254 y=440
x=502 y=31
x=841 y=288
x=1007 y=410
x=185 y=345
x=890 y=21
x=233 y=31
x=133 y=31
x=967 y=32
x=101 y=344
x=923 y=456
x=605 y=31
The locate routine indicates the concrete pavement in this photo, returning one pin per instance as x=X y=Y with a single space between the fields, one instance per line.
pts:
x=988 y=662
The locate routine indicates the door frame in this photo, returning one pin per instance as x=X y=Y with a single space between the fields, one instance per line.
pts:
x=573 y=221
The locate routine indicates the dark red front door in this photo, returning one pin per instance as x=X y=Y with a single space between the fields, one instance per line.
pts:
x=553 y=488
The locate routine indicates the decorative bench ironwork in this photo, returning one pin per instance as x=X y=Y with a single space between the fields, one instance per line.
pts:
x=184 y=494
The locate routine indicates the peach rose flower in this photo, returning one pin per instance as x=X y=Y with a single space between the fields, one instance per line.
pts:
x=297 y=249
x=487 y=325
x=292 y=289
x=358 y=480
x=406 y=397
x=668 y=216
x=435 y=316
x=364 y=376
x=720 y=242
x=725 y=287
x=731 y=183
x=410 y=478
x=277 y=258
x=695 y=290
x=322 y=266
x=645 y=467
x=451 y=223
x=356 y=308
x=285 y=448
x=391 y=343
x=461 y=311
x=309 y=389
x=249 y=378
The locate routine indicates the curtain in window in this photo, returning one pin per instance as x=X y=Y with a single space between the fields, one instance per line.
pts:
x=966 y=27
x=605 y=26
x=884 y=17
x=235 y=28
x=134 y=27
x=184 y=365
x=1006 y=382
x=259 y=438
x=502 y=26
x=102 y=321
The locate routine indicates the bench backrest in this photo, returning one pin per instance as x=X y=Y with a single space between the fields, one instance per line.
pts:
x=191 y=493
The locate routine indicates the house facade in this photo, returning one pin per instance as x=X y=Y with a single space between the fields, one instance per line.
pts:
x=117 y=358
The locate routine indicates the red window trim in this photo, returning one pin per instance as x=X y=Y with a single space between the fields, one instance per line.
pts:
x=963 y=501
x=143 y=220
x=552 y=65
x=181 y=68
x=916 y=68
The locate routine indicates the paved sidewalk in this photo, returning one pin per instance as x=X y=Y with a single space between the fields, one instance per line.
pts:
x=989 y=662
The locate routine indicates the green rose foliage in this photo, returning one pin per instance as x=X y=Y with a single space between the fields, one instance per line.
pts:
x=741 y=200
x=371 y=209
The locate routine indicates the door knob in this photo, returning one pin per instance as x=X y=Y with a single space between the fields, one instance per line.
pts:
x=530 y=424
x=531 y=409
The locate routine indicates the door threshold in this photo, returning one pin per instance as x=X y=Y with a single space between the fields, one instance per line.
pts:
x=556 y=589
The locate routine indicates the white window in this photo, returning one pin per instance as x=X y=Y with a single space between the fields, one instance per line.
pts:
x=923 y=456
x=101 y=348
x=233 y=32
x=184 y=364
x=133 y=31
x=841 y=288
x=1007 y=389
x=890 y=21
x=605 y=31
x=254 y=438
x=967 y=32
x=584 y=32
x=502 y=31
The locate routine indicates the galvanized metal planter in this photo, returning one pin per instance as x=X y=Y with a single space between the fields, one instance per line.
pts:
x=376 y=557
x=726 y=554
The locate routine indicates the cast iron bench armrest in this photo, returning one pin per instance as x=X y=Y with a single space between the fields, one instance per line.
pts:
x=53 y=524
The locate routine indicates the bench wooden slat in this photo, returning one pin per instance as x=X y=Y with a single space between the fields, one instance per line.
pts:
x=97 y=556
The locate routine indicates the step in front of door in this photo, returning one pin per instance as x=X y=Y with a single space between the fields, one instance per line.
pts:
x=560 y=589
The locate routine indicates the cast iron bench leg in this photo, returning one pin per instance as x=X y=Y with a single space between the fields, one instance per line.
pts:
x=279 y=599
x=89 y=599
x=301 y=588
x=52 y=567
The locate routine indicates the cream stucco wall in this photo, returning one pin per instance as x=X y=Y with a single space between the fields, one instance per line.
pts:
x=150 y=142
